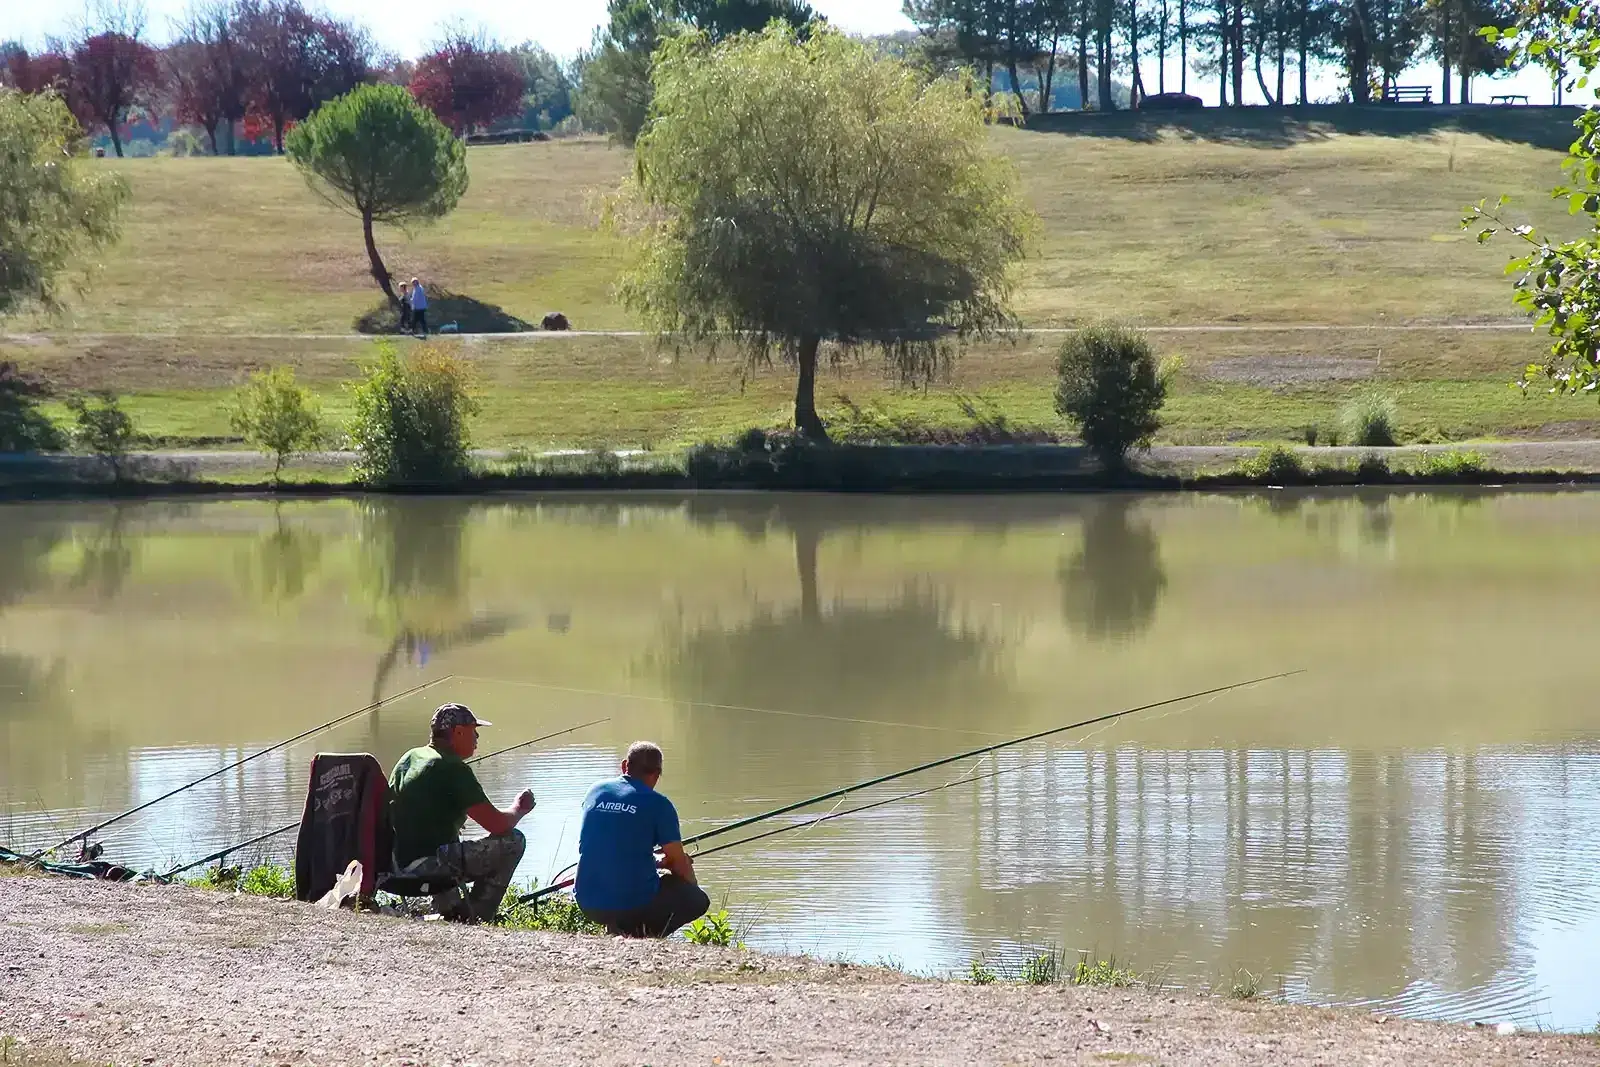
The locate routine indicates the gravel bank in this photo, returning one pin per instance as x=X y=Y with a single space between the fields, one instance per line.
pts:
x=154 y=975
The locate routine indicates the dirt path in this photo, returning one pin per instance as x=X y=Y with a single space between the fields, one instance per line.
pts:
x=150 y=975
x=1580 y=456
x=557 y=335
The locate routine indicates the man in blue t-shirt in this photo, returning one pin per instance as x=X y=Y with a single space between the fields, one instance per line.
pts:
x=624 y=821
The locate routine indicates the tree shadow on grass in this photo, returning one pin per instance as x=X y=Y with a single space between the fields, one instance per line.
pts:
x=469 y=315
x=23 y=427
x=1283 y=127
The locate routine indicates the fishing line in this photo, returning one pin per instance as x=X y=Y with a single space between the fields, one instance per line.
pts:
x=881 y=779
x=725 y=707
x=835 y=813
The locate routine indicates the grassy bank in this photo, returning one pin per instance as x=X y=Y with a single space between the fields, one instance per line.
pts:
x=782 y=466
x=619 y=393
x=1341 y=217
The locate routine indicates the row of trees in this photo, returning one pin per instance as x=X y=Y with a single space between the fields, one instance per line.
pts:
x=1275 y=43
x=257 y=67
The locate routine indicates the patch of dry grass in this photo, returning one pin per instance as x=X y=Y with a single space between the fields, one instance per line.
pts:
x=1281 y=220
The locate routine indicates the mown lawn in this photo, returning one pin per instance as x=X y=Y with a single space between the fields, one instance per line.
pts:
x=1331 y=216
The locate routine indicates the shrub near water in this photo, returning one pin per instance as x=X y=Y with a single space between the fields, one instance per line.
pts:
x=1371 y=420
x=1109 y=385
x=277 y=416
x=1275 y=464
x=104 y=429
x=410 y=422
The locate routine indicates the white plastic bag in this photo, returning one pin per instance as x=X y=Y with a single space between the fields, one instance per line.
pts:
x=345 y=886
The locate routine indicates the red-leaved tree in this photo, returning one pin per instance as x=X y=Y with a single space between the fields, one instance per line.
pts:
x=112 y=72
x=36 y=74
x=209 y=71
x=468 y=83
x=298 y=60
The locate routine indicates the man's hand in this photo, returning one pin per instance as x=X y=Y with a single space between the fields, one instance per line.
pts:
x=524 y=803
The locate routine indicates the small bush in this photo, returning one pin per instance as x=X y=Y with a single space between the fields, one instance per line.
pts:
x=714 y=929
x=1373 y=468
x=267 y=880
x=277 y=416
x=1101 y=973
x=1452 y=464
x=558 y=912
x=1110 y=387
x=1371 y=420
x=1274 y=464
x=1245 y=985
x=979 y=973
x=1042 y=969
x=410 y=422
x=1310 y=433
x=183 y=142
x=102 y=428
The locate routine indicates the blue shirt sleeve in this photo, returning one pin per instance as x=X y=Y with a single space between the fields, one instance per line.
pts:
x=666 y=822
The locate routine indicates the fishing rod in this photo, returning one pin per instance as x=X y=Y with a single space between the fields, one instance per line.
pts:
x=942 y=761
x=290 y=826
x=83 y=835
x=867 y=807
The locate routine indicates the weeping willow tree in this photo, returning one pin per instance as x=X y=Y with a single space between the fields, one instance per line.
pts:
x=791 y=194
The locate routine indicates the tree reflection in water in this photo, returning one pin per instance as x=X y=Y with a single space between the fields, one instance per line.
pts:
x=1111 y=587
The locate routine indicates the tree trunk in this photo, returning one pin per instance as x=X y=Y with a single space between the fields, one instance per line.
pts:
x=1466 y=84
x=1047 y=83
x=1161 y=49
x=211 y=135
x=1279 y=34
x=1261 y=80
x=1222 y=59
x=380 y=273
x=116 y=138
x=1016 y=85
x=231 y=142
x=1238 y=53
x=277 y=134
x=806 y=420
x=1183 y=46
x=1083 y=68
x=1444 y=48
x=1135 y=86
x=1304 y=30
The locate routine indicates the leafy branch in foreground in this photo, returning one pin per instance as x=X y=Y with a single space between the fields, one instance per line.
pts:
x=1558 y=282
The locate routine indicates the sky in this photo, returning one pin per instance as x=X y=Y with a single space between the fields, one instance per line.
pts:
x=405 y=27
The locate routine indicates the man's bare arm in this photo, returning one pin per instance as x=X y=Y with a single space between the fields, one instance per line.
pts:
x=676 y=860
x=495 y=821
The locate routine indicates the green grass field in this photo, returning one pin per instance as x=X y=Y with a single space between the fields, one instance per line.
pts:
x=1336 y=217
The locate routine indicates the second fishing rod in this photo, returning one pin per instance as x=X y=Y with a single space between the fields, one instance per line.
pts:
x=563 y=883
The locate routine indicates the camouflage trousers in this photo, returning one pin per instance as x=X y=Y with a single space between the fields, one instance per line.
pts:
x=487 y=863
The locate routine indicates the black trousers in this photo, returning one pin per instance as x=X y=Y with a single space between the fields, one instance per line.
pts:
x=677 y=903
x=419 y=320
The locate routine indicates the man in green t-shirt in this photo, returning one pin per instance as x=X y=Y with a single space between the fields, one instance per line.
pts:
x=432 y=793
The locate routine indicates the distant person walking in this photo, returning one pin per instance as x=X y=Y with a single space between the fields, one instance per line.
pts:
x=419 y=308
x=405 y=307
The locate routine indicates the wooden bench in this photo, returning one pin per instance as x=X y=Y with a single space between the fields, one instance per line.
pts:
x=1508 y=99
x=1408 y=94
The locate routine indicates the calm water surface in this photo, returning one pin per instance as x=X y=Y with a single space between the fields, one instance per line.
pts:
x=1409 y=825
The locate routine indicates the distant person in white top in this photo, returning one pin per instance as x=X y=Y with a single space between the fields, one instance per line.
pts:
x=419 y=307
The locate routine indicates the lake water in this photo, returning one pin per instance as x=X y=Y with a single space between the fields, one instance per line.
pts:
x=1411 y=824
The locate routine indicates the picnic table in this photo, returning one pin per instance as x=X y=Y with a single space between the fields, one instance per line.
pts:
x=1508 y=98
